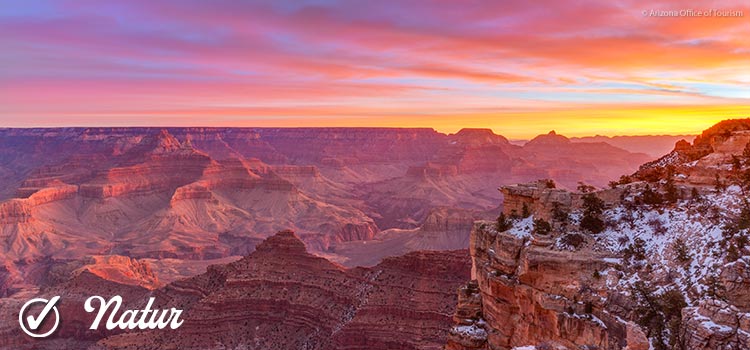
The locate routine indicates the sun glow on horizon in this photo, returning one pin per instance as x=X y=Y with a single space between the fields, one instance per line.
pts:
x=500 y=65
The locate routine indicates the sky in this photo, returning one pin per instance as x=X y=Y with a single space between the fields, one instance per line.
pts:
x=519 y=67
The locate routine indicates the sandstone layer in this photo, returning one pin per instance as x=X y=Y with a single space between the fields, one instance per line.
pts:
x=278 y=297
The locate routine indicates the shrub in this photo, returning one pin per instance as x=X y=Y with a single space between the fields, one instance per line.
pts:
x=733 y=254
x=681 y=250
x=735 y=234
x=593 y=207
x=558 y=214
x=671 y=193
x=636 y=250
x=658 y=227
x=592 y=224
x=584 y=188
x=660 y=314
x=542 y=227
x=592 y=203
x=625 y=179
x=503 y=223
x=741 y=240
x=588 y=308
x=572 y=239
x=549 y=183
x=736 y=164
x=695 y=195
x=651 y=197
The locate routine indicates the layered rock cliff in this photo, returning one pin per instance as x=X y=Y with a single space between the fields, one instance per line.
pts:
x=658 y=261
x=194 y=194
x=281 y=297
x=528 y=294
x=278 y=297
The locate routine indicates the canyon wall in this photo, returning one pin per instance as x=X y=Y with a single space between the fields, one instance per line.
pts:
x=527 y=294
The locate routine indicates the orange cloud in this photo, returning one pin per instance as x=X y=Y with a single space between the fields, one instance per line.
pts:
x=521 y=68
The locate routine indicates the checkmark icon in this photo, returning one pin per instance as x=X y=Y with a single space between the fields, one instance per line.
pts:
x=35 y=322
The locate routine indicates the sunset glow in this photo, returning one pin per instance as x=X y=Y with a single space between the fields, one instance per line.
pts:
x=581 y=68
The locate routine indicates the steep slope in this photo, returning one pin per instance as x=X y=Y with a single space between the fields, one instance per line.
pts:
x=278 y=297
x=157 y=197
x=281 y=297
x=443 y=229
x=211 y=193
x=659 y=261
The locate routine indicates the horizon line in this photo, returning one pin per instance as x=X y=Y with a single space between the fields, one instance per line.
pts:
x=336 y=127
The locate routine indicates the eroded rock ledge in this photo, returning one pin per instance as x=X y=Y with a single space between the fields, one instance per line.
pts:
x=532 y=290
x=528 y=294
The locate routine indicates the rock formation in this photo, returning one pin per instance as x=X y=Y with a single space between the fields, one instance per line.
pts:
x=147 y=206
x=443 y=229
x=667 y=270
x=212 y=193
x=278 y=297
x=527 y=294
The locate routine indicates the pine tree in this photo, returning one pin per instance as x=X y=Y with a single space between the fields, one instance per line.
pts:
x=681 y=250
x=503 y=224
x=542 y=227
x=593 y=207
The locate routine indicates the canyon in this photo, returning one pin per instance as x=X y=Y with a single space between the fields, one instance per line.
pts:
x=358 y=238
x=278 y=297
x=175 y=197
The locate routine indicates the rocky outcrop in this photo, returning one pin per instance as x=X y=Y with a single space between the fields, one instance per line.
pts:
x=539 y=198
x=668 y=267
x=469 y=331
x=15 y=211
x=119 y=269
x=19 y=210
x=205 y=193
x=409 y=302
x=526 y=294
x=653 y=145
x=443 y=229
x=278 y=297
x=711 y=155
x=73 y=331
x=715 y=324
x=735 y=281
x=448 y=220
